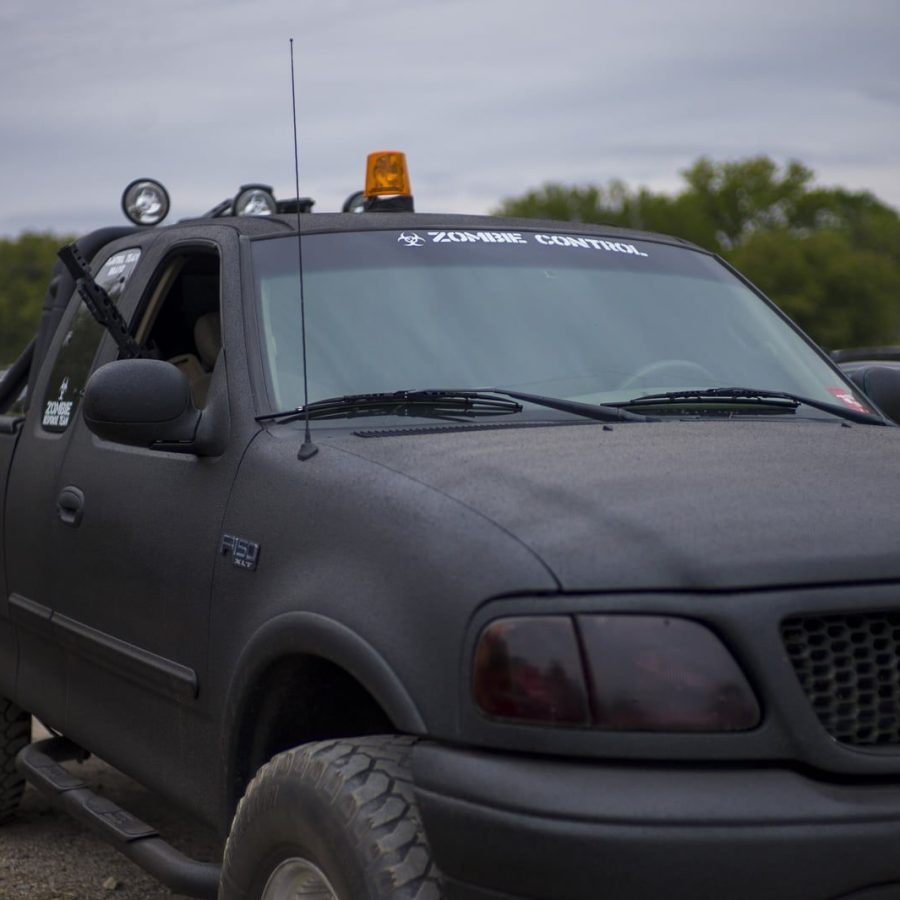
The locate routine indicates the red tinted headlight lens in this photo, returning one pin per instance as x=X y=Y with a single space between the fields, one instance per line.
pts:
x=612 y=673
x=652 y=673
x=530 y=668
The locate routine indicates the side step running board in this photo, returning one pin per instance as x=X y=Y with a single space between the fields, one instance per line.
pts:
x=39 y=764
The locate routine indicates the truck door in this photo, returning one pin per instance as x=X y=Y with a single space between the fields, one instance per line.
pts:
x=137 y=534
x=30 y=514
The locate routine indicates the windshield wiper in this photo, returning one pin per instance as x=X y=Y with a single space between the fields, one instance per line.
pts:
x=473 y=403
x=742 y=396
x=489 y=401
x=596 y=411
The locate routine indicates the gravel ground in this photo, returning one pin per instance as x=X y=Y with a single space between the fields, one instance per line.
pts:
x=45 y=855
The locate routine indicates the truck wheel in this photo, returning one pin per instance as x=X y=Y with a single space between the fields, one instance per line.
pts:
x=332 y=820
x=15 y=733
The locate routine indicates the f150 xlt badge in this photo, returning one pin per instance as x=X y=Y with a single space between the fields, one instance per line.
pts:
x=244 y=554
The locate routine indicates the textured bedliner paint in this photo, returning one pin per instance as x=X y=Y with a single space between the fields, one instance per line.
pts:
x=188 y=615
x=675 y=505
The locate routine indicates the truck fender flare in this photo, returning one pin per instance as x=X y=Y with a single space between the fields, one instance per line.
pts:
x=307 y=633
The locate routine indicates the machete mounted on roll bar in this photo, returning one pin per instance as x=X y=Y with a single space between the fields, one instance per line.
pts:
x=98 y=302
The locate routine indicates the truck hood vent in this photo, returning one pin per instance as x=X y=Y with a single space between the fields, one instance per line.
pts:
x=462 y=426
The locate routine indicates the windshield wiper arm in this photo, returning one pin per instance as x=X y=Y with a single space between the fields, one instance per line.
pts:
x=598 y=411
x=487 y=401
x=471 y=402
x=756 y=397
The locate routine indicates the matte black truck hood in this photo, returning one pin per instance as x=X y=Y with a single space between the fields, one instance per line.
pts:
x=675 y=505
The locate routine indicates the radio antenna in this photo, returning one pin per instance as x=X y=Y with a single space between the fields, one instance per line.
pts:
x=309 y=449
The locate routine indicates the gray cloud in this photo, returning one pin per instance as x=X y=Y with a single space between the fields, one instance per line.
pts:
x=487 y=97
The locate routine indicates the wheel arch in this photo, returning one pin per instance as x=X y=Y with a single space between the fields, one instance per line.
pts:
x=289 y=660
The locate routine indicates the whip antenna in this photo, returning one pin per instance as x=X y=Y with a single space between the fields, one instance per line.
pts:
x=309 y=449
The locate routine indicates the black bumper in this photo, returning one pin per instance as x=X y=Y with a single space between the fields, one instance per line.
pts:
x=504 y=826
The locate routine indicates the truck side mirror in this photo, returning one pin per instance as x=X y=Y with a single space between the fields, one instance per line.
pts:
x=143 y=403
x=881 y=384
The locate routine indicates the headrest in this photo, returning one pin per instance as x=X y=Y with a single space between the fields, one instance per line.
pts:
x=208 y=338
x=881 y=384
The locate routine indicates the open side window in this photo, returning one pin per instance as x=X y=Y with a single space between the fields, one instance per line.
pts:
x=180 y=319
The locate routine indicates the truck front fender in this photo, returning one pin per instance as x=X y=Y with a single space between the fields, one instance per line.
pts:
x=307 y=634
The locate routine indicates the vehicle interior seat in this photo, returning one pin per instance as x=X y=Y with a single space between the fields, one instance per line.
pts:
x=208 y=338
x=198 y=368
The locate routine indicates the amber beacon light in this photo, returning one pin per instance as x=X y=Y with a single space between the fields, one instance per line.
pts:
x=387 y=174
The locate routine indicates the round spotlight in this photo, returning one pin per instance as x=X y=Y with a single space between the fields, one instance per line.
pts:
x=255 y=200
x=145 y=202
x=355 y=203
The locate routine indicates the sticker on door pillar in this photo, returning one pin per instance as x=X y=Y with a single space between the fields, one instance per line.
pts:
x=58 y=412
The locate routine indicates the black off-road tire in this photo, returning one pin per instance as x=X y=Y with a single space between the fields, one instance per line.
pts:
x=15 y=733
x=347 y=806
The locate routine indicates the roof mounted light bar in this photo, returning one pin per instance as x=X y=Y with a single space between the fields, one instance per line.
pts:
x=258 y=200
x=387 y=189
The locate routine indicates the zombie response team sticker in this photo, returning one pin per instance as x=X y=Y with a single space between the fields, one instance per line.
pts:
x=58 y=412
x=415 y=239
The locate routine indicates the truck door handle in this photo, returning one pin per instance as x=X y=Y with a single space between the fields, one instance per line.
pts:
x=70 y=506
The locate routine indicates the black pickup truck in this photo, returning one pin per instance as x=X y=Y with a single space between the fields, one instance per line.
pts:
x=435 y=556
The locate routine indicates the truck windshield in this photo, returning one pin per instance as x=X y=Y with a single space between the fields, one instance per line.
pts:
x=598 y=320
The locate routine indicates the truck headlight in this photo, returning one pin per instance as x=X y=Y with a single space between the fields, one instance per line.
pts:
x=530 y=669
x=612 y=673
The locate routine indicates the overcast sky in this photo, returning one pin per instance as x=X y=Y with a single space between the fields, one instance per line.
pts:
x=488 y=98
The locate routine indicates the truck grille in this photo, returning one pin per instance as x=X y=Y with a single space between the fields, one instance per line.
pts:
x=849 y=667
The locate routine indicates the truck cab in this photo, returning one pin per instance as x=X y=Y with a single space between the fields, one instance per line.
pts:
x=396 y=544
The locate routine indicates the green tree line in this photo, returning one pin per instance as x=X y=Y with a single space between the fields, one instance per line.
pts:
x=25 y=266
x=830 y=258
